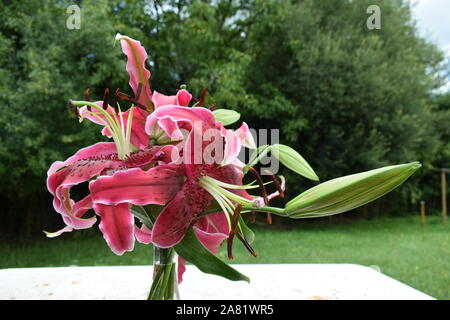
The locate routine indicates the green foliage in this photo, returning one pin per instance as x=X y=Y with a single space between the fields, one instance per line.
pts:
x=348 y=98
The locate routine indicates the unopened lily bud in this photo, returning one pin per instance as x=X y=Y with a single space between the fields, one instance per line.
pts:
x=293 y=160
x=349 y=192
x=226 y=116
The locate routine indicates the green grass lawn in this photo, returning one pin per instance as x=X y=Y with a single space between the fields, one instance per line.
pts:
x=400 y=247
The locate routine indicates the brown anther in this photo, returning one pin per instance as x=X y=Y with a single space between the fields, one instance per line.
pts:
x=261 y=184
x=201 y=101
x=234 y=224
x=128 y=98
x=105 y=99
x=74 y=108
x=123 y=96
x=87 y=97
x=246 y=244
x=269 y=218
x=212 y=107
x=276 y=181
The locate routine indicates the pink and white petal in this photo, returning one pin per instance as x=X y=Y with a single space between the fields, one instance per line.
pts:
x=143 y=234
x=174 y=220
x=177 y=113
x=150 y=155
x=73 y=218
x=181 y=269
x=214 y=223
x=160 y=99
x=136 y=69
x=246 y=136
x=171 y=127
x=211 y=241
x=157 y=185
x=212 y=230
x=117 y=226
x=80 y=171
x=232 y=147
x=101 y=149
x=59 y=232
x=73 y=215
x=81 y=167
x=183 y=98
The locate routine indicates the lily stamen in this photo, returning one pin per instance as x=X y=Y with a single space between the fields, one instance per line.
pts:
x=105 y=99
x=125 y=97
x=246 y=244
x=87 y=96
x=276 y=181
x=234 y=225
x=113 y=122
x=261 y=184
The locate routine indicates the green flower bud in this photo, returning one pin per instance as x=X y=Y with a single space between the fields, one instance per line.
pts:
x=293 y=160
x=226 y=116
x=349 y=192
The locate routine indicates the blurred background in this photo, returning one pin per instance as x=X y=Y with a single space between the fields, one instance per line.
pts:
x=348 y=97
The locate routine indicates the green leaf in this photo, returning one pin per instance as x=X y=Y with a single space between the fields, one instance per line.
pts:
x=142 y=215
x=293 y=160
x=349 y=192
x=193 y=251
x=256 y=156
x=249 y=235
x=226 y=116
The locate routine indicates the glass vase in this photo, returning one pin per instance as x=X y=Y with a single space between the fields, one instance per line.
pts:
x=165 y=279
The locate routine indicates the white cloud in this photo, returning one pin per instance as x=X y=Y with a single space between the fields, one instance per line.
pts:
x=433 y=21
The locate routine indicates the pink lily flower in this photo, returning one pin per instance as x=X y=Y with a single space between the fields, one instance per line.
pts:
x=101 y=160
x=119 y=178
x=145 y=100
x=186 y=189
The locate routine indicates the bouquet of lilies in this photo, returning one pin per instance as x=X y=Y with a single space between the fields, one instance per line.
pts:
x=171 y=177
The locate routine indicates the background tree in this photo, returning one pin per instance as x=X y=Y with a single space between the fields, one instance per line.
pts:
x=349 y=98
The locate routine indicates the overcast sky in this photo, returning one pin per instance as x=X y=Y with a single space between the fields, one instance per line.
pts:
x=433 y=21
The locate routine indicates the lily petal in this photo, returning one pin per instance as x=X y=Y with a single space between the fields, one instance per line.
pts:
x=157 y=185
x=177 y=113
x=81 y=167
x=101 y=149
x=181 y=269
x=174 y=220
x=183 y=98
x=160 y=99
x=117 y=226
x=212 y=230
x=246 y=136
x=136 y=68
x=143 y=234
x=233 y=146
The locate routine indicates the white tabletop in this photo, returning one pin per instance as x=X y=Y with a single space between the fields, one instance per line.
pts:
x=268 y=281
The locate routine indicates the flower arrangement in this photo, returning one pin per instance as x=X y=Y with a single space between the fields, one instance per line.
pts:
x=171 y=177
